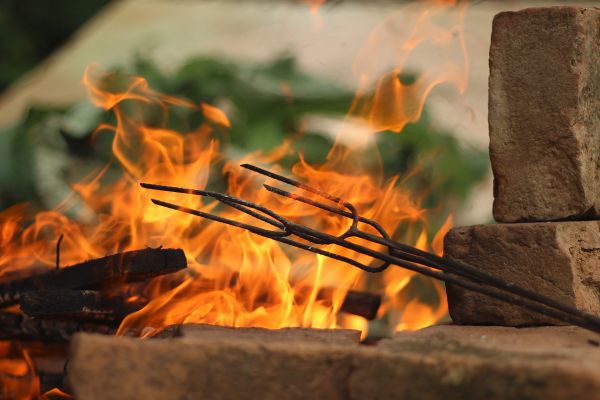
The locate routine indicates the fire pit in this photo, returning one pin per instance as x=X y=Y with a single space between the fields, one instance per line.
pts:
x=239 y=307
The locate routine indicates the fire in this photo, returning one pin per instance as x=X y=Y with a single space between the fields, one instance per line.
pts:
x=17 y=376
x=236 y=278
x=393 y=103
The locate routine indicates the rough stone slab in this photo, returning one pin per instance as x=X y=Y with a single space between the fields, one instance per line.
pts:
x=544 y=114
x=465 y=362
x=449 y=362
x=285 y=335
x=557 y=259
x=103 y=367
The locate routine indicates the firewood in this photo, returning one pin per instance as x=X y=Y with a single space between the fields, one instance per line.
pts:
x=79 y=305
x=130 y=266
x=362 y=304
x=16 y=326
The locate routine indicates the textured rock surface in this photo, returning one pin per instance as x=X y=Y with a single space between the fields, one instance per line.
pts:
x=544 y=114
x=557 y=259
x=449 y=362
x=104 y=367
x=466 y=362
x=331 y=336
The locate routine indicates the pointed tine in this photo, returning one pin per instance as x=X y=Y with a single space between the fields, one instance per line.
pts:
x=292 y=182
x=198 y=192
x=326 y=207
x=306 y=200
x=173 y=189
x=227 y=221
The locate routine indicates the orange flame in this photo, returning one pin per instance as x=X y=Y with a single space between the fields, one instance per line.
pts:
x=438 y=29
x=215 y=115
x=236 y=278
x=17 y=376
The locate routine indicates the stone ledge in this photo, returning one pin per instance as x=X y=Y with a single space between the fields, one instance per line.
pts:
x=450 y=362
x=557 y=259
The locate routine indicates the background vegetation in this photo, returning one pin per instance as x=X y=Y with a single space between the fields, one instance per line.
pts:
x=51 y=148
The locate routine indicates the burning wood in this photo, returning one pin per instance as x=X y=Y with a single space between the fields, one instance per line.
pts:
x=130 y=266
x=363 y=304
x=94 y=305
x=78 y=305
x=16 y=326
x=54 y=311
x=358 y=303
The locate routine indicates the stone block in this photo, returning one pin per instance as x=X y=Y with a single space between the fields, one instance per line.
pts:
x=285 y=335
x=544 y=114
x=558 y=259
x=105 y=367
x=492 y=363
x=449 y=362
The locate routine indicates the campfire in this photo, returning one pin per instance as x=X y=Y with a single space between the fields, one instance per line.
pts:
x=164 y=287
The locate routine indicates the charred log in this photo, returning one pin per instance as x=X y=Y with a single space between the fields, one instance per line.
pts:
x=363 y=304
x=130 y=266
x=79 y=305
x=16 y=326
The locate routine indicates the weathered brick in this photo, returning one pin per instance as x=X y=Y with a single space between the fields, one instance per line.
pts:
x=544 y=114
x=105 y=367
x=558 y=259
x=286 y=335
x=449 y=362
x=492 y=363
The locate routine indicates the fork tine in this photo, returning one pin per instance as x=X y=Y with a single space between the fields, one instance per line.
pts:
x=322 y=206
x=227 y=221
x=174 y=189
x=234 y=202
x=292 y=182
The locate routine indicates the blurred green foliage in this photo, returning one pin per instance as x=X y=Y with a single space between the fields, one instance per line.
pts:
x=32 y=29
x=51 y=147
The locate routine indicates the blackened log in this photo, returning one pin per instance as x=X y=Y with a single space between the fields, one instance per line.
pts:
x=130 y=266
x=363 y=304
x=16 y=326
x=79 y=305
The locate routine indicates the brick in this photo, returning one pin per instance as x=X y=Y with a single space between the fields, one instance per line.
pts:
x=297 y=359
x=544 y=114
x=557 y=259
x=450 y=362
x=104 y=367
x=466 y=362
x=285 y=335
